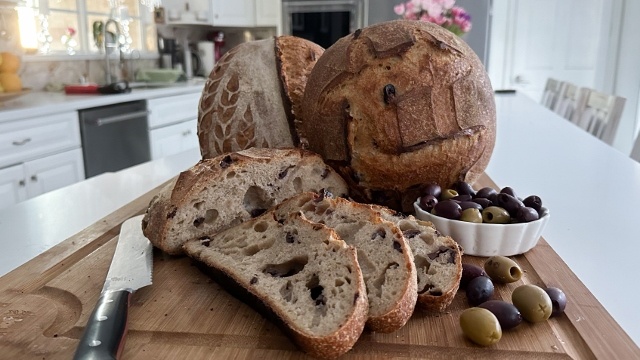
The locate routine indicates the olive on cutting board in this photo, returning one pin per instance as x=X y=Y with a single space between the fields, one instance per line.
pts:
x=533 y=302
x=480 y=326
x=507 y=314
x=502 y=269
x=558 y=300
x=470 y=272
x=479 y=290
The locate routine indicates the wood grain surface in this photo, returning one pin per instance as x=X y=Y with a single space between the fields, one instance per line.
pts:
x=184 y=315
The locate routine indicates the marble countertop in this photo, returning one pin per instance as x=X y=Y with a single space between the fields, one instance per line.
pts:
x=39 y=103
x=577 y=176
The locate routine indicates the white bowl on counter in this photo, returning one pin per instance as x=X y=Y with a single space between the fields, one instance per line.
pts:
x=488 y=239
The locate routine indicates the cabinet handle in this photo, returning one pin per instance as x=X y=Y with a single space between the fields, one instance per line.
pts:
x=34 y=177
x=21 y=142
x=22 y=183
x=185 y=133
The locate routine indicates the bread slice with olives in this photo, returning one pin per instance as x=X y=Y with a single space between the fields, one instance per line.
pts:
x=384 y=256
x=229 y=189
x=437 y=259
x=299 y=274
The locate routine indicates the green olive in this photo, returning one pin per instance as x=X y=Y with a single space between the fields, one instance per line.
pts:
x=480 y=326
x=495 y=215
x=471 y=215
x=533 y=302
x=448 y=194
x=502 y=269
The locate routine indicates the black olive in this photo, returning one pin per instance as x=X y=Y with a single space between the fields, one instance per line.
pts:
x=558 y=300
x=485 y=192
x=509 y=203
x=508 y=315
x=470 y=272
x=448 y=209
x=479 y=290
x=526 y=214
x=485 y=203
x=533 y=201
x=389 y=93
x=508 y=190
x=463 y=188
x=432 y=189
x=462 y=197
x=427 y=202
x=470 y=204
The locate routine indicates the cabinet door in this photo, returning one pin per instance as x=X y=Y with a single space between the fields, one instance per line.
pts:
x=268 y=12
x=53 y=172
x=233 y=13
x=12 y=186
x=174 y=139
x=172 y=110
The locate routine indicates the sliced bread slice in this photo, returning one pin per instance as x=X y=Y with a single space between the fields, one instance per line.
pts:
x=384 y=256
x=218 y=193
x=298 y=273
x=437 y=258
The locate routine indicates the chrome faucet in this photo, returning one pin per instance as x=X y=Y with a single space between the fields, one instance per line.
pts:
x=112 y=43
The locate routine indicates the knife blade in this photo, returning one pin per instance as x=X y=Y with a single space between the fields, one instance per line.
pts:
x=130 y=270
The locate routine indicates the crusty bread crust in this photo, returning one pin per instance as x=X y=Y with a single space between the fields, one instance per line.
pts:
x=217 y=258
x=437 y=258
x=296 y=57
x=399 y=105
x=241 y=103
x=392 y=289
x=218 y=193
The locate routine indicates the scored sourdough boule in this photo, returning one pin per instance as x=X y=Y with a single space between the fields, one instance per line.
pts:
x=398 y=105
x=437 y=258
x=299 y=274
x=224 y=191
x=252 y=97
x=384 y=257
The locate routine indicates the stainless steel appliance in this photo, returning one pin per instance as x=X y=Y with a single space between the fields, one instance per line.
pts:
x=323 y=21
x=114 y=137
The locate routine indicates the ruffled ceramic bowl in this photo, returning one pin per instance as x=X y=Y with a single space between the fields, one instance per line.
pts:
x=488 y=239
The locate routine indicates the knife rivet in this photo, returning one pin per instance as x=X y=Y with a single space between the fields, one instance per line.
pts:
x=102 y=318
x=95 y=343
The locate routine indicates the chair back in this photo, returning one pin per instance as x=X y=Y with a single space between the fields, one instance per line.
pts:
x=571 y=101
x=550 y=94
x=635 y=152
x=601 y=115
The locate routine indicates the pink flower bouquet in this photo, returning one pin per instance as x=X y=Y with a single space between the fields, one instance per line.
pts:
x=441 y=12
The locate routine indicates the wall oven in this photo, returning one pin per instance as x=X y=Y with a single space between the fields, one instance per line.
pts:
x=323 y=21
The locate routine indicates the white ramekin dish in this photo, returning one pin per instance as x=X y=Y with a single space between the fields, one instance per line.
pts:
x=488 y=239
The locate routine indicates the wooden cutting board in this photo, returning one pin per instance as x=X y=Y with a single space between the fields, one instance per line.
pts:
x=184 y=315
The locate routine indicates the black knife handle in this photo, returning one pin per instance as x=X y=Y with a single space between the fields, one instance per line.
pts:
x=103 y=337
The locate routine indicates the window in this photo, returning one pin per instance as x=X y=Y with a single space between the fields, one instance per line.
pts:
x=78 y=26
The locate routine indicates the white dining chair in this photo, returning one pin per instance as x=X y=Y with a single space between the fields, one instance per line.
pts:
x=601 y=115
x=635 y=152
x=550 y=94
x=571 y=101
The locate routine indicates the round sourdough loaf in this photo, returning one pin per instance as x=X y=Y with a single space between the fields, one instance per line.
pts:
x=398 y=105
x=252 y=97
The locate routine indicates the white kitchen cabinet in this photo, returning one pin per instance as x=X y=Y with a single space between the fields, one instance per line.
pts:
x=38 y=176
x=12 y=186
x=39 y=154
x=268 y=13
x=53 y=172
x=235 y=13
x=173 y=139
x=173 y=124
x=223 y=13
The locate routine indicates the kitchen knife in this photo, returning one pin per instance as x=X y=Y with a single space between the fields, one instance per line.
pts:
x=130 y=270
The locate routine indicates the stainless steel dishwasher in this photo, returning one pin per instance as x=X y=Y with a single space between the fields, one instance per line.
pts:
x=114 y=137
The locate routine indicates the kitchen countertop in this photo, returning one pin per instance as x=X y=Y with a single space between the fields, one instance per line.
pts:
x=537 y=152
x=40 y=103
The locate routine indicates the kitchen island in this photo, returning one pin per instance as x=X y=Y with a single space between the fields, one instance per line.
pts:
x=537 y=152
